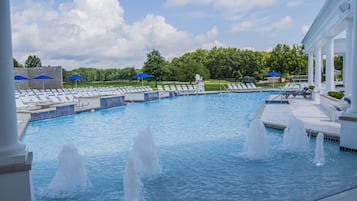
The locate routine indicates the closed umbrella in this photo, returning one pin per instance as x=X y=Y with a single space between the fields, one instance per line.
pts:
x=142 y=75
x=43 y=78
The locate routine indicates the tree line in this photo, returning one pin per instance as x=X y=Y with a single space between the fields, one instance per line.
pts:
x=227 y=63
x=217 y=63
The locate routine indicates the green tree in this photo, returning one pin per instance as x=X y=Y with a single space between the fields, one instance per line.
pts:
x=33 y=61
x=338 y=62
x=186 y=67
x=127 y=73
x=234 y=63
x=17 y=64
x=216 y=64
x=277 y=61
x=154 y=65
x=288 y=60
x=339 y=66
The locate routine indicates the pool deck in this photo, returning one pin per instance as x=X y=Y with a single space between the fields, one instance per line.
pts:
x=276 y=115
x=22 y=120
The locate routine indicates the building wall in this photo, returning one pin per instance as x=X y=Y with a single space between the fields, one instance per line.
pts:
x=53 y=71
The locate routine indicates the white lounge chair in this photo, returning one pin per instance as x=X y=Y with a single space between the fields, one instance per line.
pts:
x=167 y=88
x=179 y=88
x=159 y=88
x=173 y=88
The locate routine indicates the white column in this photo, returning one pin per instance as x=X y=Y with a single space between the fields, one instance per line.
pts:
x=348 y=137
x=15 y=161
x=344 y=69
x=318 y=57
x=330 y=67
x=311 y=69
x=348 y=57
x=353 y=108
x=9 y=143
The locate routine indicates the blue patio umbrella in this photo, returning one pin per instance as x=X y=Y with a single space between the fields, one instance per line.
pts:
x=20 y=77
x=43 y=78
x=273 y=74
x=75 y=77
x=142 y=75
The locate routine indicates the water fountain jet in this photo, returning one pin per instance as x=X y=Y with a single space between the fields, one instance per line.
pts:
x=144 y=151
x=295 y=136
x=319 y=158
x=256 y=144
x=132 y=182
x=71 y=174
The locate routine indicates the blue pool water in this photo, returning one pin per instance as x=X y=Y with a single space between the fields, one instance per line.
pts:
x=200 y=143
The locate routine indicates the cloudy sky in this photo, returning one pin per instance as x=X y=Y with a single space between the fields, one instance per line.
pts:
x=117 y=34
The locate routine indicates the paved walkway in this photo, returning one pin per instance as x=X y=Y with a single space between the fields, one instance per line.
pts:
x=314 y=117
x=22 y=121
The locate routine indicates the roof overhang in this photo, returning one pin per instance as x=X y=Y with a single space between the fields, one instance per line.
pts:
x=330 y=22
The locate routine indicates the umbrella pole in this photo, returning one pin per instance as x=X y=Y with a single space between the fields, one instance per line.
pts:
x=76 y=83
x=142 y=81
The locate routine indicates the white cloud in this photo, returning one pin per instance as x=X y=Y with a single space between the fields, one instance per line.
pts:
x=262 y=25
x=94 y=33
x=227 y=4
x=278 y=25
x=199 y=14
x=227 y=7
x=242 y=4
x=212 y=34
x=243 y=26
x=305 y=28
x=176 y=3
x=179 y=3
x=294 y=3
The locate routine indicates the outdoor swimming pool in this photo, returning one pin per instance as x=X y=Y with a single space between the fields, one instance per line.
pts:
x=200 y=142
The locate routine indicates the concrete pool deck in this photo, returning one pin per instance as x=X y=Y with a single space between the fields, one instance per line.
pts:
x=314 y=117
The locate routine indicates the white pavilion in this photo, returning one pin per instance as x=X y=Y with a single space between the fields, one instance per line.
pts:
x=334 y=32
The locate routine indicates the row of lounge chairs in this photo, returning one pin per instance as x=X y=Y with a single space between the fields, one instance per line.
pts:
x=35 y=99
x=242 y=86
x=189 y=88
x=296 y=89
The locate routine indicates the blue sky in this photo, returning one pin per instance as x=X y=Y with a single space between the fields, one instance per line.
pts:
x=112 y=33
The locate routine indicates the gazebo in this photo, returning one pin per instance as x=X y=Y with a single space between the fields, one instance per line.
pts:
x=334 y=32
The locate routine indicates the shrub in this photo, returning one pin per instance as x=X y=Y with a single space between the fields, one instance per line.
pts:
x=336 y=94
x=248 y=79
